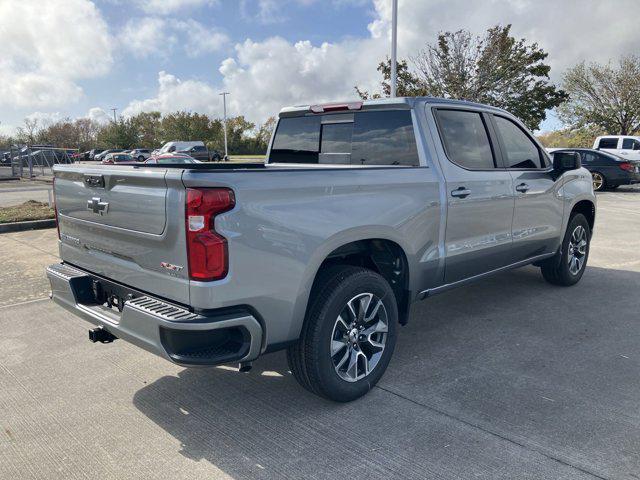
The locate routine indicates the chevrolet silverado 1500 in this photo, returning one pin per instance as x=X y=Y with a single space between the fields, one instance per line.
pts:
x=359 y=210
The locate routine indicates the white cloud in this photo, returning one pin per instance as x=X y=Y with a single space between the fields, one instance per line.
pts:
x=175 y=94
x=146 y=36
x=201 y=40
x=47 y=47
x=45 y=118
x=265 y=75
x=98 y=115
x=165 y=7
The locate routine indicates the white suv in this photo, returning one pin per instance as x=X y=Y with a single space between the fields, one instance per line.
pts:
x=625 y=146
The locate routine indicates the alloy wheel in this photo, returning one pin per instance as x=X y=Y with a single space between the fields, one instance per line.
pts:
x=359 y=337
x=598 y=181
x=577 y=250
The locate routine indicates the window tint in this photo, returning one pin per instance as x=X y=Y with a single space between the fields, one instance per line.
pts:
x=199 y=148
x=465 y=138
x=589 y=158
x=364 y=138
x=630 y=144
x=297 y=140
x=608 y=143
x=520 y=151
x=384 y=138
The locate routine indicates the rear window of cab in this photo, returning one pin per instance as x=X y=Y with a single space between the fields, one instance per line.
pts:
x=384 y=137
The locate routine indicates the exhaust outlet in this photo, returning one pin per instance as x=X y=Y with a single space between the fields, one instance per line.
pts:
x=101 y=335
x=245 y=367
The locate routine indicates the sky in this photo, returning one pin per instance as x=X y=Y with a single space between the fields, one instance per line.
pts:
x=80 y=58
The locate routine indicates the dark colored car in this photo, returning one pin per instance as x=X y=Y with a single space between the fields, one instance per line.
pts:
x=607 y=170
x=200 y=153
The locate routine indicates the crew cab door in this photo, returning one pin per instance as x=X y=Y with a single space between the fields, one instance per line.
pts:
x=537 y=219
x=480 y=197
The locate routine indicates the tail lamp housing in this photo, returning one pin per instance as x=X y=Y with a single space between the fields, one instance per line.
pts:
x=207 y=250
x=627 y=167
x=55 y=206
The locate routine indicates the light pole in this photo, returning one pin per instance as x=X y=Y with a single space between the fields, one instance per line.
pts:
x=114 y=115
x=224 y=123
x=394 y=46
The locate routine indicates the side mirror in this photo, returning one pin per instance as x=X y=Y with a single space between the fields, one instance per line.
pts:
x=564 y=161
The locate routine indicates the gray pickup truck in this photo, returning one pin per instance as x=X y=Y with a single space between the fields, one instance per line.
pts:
x=360 y=210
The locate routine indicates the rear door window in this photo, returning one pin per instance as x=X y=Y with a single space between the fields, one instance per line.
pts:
x=465 y=139
x=630 y=144
x=610 y=143
x=363 y=138
x=520 y=151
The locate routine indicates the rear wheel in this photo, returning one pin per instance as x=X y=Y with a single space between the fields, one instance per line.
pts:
x=598 y=180
x=348 y=336
x=141 y=158
x=568 y=266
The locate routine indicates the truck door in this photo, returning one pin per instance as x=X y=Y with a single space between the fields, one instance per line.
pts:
x=480 y=198
x=537 y=220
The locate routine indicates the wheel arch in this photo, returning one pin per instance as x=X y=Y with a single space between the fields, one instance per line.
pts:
x=378 y=249
x=586 y=208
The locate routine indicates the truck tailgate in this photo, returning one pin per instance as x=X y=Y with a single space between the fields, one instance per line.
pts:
x=126 y=224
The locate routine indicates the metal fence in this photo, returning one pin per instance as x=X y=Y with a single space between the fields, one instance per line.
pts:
x=38 y=160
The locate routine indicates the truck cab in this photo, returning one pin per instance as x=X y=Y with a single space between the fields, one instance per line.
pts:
x=625 y=146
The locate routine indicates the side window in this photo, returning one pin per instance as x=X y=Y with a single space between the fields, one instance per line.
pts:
x=520 y=150
x=630 y=144
x=465 y=139
x=589 y=158
x=610 y=143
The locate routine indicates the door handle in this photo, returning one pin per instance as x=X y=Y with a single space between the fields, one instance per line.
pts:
x=461 y=192
x=523 y=188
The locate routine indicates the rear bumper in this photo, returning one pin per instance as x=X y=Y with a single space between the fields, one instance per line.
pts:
x=170 y=331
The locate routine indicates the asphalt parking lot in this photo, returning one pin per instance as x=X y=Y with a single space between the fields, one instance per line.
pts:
x=509 y=378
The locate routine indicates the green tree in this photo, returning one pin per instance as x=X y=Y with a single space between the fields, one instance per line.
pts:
x=149 y=129
x=604 y=96
x=185 y=126
x=120 y=134
x=494 y=69
x=570 y=138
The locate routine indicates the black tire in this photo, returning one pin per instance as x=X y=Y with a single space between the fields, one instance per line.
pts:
x=558 y=270
x=310 y=359
x=141 y=158
x=599 y=181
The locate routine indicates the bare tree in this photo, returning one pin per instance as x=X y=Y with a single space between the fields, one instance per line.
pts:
x=604 y=96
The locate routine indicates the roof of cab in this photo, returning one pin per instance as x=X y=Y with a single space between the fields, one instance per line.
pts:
x=389 y=103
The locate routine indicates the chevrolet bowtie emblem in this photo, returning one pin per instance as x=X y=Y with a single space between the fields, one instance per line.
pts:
x=97 y=207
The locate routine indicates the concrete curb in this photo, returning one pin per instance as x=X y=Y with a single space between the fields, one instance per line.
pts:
x=30 y=225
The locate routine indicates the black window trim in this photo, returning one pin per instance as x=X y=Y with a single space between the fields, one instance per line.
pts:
x=541 y=151
x=491 y=135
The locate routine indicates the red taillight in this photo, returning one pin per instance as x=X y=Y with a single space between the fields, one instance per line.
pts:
x=207 y=249
x=55 y=206
x=627 y=166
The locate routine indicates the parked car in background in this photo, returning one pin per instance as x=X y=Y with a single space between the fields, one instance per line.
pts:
x=119 y=158
x=99 y=157
x=6 y=158
x=94 y=152
x=140 y=154
x=625 y=146
x=608 y=171
x=359 y=210
x=199 y=152
x=172 y=158
x=176 y=146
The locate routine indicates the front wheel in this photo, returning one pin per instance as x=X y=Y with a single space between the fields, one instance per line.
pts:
x=348 y=336
x=568 y=266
